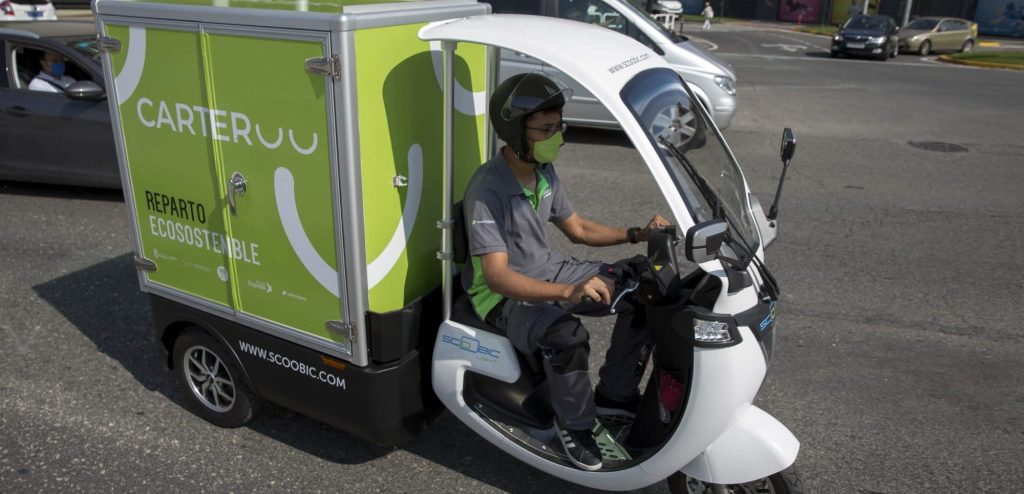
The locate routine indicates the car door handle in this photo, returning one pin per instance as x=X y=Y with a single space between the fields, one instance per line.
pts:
x=18 y=111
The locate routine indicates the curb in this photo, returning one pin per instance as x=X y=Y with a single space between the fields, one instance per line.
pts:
x=808 y=32
x=975 y=63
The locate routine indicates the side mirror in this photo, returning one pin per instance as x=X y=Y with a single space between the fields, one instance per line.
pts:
x=704 y=240
x=788 y=144
x=85 y=90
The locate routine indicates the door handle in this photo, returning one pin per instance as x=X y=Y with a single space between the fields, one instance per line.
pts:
x=18 y=111
x=236 y=186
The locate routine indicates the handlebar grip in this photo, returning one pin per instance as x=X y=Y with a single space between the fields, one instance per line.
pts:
x=587 y=300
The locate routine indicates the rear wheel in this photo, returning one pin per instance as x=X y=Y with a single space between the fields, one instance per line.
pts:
x=925 y=49
x=784 y=482
x=967 y=46
x=211 y=380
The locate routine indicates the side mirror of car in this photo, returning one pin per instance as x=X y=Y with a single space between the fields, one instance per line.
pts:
x=85 y=90
x=704 y=240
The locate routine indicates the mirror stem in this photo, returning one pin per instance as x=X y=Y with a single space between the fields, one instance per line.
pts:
x=773 y=212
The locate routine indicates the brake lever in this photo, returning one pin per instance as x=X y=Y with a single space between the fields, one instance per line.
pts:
x=631 y=287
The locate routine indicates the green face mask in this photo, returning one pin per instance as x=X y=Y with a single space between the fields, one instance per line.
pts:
x=546 y=151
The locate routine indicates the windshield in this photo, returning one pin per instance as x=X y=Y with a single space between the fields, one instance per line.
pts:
x=925 y=24
x=655 y=24
x=692 y=151
x=866 y=22
x=86 y=46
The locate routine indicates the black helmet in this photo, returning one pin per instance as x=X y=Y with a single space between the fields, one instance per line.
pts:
x=518 y=97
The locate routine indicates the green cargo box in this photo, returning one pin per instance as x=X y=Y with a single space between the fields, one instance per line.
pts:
x=282 y=160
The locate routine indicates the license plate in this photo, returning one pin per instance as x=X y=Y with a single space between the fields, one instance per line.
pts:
x=35 y=14
x=855 y=45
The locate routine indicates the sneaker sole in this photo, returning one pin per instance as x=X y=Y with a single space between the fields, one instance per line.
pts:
x=582 y=466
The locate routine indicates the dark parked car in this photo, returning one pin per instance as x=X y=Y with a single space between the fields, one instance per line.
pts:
x=61 y=137
x=868 y=36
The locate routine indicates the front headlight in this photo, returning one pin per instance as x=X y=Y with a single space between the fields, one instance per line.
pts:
x=728 y=85
x=837 y=38
x=877 y=39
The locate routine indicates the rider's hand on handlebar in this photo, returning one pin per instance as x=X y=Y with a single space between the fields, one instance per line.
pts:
x=598 y=288
x=656 y=222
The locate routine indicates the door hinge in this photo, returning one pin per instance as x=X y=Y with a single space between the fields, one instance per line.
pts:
x=143 y=264
x=346 y=329
x=108 y=43
x=325 y=66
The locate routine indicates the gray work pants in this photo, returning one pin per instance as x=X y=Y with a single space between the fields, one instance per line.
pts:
x=553 y=330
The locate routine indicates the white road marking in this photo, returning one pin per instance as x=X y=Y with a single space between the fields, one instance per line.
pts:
x=784 y=46
x=711 y=46
x=816 y=59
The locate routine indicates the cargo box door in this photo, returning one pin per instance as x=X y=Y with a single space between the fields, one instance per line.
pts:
x=270 y=130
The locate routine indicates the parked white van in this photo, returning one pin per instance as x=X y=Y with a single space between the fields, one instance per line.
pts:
x=713 y=80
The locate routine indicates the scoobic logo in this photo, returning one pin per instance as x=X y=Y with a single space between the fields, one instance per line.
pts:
x=768 y=320
x=222 y=125
x=471 y=345
x=483 y=222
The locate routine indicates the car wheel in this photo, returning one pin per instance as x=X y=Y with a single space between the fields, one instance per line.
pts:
x=925 y=49
x=885 y=53
x=211 y=380
x=895 y=50
x=967 y=46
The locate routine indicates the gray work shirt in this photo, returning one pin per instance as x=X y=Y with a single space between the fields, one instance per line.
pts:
x=500 y=218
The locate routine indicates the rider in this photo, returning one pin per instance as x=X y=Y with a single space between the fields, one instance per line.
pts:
x=516 y=283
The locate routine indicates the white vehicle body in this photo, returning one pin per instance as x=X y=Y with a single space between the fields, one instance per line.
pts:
x=722 y=437
x=712 y=79
x=27 y=10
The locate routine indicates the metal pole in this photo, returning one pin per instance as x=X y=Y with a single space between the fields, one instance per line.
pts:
x=447 y=266
x=906 y=13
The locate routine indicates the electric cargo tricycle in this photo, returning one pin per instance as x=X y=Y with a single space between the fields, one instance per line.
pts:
x=289 y=176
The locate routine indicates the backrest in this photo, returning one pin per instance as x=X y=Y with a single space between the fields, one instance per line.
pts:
x=460 y=240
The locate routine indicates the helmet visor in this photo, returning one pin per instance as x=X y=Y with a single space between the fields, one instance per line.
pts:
x=534 y=93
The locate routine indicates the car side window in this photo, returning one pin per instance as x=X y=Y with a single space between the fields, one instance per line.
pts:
x=944 y=26
x=27 y=62
x=530 y=7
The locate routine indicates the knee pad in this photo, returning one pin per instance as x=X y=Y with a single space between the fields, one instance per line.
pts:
x=566 y=345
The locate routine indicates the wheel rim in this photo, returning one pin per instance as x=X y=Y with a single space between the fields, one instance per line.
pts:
x=926 y=48
x=209 y=379
x=967 y=46
x=760 y=486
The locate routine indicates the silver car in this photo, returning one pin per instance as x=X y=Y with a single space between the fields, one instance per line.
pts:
x=711 y=79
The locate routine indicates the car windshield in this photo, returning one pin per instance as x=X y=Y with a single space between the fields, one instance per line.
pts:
x=866 y=22
x=925 y=24
x=86 y=46
x=692 y=150
x=657 y=25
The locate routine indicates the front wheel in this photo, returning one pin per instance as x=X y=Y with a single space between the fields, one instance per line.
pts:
x=967 y=46
x=784 y=482
x=925 y=49
x=213 y=384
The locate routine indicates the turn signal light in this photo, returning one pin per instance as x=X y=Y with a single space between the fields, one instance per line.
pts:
x=711 y=331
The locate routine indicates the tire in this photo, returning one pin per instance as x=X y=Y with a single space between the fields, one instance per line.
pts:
x=787 y=481
x=925 y=49
x=967 y=46
x=885 y=53
x=211 y=380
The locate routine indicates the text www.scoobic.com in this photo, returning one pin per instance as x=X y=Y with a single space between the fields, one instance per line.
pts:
x=301 y=368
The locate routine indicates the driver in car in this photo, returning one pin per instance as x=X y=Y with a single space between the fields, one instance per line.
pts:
x=518 y=284
x=51 y=77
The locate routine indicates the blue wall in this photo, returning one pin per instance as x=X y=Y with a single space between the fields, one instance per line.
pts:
x=1000 y=17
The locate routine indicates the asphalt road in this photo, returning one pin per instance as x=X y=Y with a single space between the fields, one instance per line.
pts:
x=899 y=362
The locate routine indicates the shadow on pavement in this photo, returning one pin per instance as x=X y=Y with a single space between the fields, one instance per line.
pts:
x=104 y=302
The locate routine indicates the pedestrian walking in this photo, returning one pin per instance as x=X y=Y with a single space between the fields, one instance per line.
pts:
x=854 y=9
x=708 y=13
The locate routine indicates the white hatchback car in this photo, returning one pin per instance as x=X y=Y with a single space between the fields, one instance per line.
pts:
x=27 y=10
